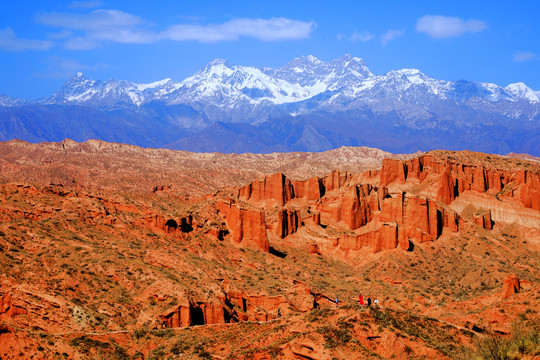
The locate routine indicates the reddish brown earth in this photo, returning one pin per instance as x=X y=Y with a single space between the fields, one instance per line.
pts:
x=104 y=247
x=127 y=168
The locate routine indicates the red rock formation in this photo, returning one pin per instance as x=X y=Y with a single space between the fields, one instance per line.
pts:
x=159 y=223
x=445 y=191
x=529 y=193
x=273 y=190
x=457 y=178
x=355 y=208
x=391 y=171
x=288 y=222
x=511 y=286
x=316 y=217
x=393 y=221
x=237 y=298
x=420 y=218
x=159 y=188
x=314 y=249
x=7 y=308
x=384 y=236
x=310 y=189
x=483 y=220
x=201 y=313
x=213 y=313
x=247 y=226
x=178 y=316
x=217 y=234
x=335 y=180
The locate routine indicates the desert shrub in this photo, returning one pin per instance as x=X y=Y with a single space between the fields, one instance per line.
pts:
x=119 y=353
x=164 y=333
x=179 y=347
x=318 y=314
x=140 y=333
x=275 y=352
x=85 y=343
x=492 y=347
x=157 y=354
x=200 y=350
x=522 y=344
x=334 y=337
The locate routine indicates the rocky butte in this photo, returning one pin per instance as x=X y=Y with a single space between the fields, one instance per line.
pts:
x=128 y=266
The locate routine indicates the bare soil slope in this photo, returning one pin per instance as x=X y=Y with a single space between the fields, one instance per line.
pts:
x=101 y=258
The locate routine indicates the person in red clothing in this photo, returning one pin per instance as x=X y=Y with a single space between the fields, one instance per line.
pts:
x=361 y=300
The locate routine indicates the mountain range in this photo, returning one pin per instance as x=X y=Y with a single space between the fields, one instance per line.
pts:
x=306 y=105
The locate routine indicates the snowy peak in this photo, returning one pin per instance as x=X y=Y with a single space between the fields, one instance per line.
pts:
x=522 y=91
x=78 y=80
x=302 y=62
x=412 y=75
x=351 y=64
x=81 y=90
x=218 y=62
x=217 y=66
x=230 y=86
x=344 y=80
x=320 y=76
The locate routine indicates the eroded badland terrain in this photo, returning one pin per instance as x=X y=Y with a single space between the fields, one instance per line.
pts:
x=116 y=252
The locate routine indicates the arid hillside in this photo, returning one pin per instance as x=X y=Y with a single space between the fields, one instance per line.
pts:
x=126 y=168
x=113 y=251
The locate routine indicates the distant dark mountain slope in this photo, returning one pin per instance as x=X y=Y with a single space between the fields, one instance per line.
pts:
x=321 y=133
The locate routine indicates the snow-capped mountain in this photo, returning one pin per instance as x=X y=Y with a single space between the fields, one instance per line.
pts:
x=342 y=95
x=80 y=90
x=522 y=91
x=248 y=94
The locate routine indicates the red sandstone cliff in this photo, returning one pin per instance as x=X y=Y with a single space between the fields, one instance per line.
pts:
x=416 y=209
x=273 y=190
x=247 y=226
x=288 y=222
x=456 y=177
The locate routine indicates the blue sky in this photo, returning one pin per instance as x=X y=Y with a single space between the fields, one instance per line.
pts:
x=43 y=43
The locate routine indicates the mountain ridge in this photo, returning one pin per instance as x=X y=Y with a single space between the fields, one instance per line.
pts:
x=298 y=66
x=323 y=105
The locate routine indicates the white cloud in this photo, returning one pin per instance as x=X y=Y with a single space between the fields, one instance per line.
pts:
x=100 y=25
x=81 y=43
x=273 y=29
x=361 y=36
x=97 y=20
x=438 y=26
x=63 y=34
x=61 y=68
x=524 y=56
x=120 y=27
x=391 y=35
x=10 y=42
